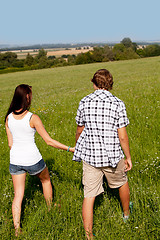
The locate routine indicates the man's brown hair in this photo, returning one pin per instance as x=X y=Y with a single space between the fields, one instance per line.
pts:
x=103 y=79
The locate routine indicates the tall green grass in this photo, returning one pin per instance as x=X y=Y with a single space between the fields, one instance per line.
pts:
x=56 y=95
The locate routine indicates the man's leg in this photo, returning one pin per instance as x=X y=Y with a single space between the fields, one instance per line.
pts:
x=124 y=194
x=87 y=214
x=92 y=181
x=117 y=177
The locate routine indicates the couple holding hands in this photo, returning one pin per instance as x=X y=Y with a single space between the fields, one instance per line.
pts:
x=100 y=137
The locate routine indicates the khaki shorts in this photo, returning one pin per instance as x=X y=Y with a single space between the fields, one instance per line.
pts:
x=93 y=178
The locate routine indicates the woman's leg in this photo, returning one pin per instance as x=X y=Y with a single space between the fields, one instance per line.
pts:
x=46 y=185
x=19 y=187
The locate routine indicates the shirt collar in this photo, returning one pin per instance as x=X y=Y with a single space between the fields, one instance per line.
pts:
x=102 y=90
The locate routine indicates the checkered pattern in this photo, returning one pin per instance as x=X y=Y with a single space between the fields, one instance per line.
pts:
x=102 y=114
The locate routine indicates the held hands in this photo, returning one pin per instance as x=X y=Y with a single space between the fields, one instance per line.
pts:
x=128 y=164
x=71 y=149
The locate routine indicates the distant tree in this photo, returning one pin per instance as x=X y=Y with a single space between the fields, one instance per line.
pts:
x=134 y=46
x=29 y=60
x=97 y=54
x=65 y=56
x=43 y=62
x=41 y=53
x=61 y=62
x=18 y=63
x=84 y=58
x=152 y=50
x=141 y=52
x=125 y=50
x=127 y=42
x=108 y=54
x=51 y=57
x=119 y=47
x=8 y=59
x=127 y=53
x=71 y=59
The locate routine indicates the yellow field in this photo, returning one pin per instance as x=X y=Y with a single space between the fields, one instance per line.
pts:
x=57 y=52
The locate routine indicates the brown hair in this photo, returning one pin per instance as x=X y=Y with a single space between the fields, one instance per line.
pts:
x=21 y=99
x=103 y=79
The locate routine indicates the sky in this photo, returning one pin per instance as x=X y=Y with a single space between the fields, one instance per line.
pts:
x=28 y=22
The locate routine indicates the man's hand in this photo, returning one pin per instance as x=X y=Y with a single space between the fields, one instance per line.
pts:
x=128 y=164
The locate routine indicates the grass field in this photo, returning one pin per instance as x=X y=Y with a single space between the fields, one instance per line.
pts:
x=56 y=95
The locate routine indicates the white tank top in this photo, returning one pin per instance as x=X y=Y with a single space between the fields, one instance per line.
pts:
x=24 y=151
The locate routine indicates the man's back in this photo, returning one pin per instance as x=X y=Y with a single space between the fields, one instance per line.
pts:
x=102 y=114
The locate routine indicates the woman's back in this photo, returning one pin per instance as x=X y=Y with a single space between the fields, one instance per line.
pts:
x=24 y=151
x=20 y=128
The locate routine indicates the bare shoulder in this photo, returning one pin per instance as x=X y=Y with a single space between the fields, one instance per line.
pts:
x=35 y=119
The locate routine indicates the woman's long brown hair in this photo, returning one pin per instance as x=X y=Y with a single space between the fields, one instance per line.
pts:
x=21 y=99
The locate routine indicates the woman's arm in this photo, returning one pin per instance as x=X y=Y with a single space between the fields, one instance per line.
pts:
x=9 y=135
x=36 y=123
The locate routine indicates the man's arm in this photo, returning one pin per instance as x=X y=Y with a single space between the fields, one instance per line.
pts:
x=124 y=141
x=79 y=131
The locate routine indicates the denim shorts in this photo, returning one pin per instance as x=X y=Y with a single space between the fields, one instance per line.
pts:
x=32 y=170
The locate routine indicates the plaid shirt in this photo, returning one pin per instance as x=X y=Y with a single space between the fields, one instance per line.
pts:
x=102 y=114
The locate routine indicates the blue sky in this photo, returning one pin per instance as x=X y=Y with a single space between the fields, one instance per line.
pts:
x=70 y=21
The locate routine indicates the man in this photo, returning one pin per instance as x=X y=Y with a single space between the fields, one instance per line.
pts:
x=101 y=132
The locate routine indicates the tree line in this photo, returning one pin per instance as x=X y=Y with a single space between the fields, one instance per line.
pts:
x=124 y=50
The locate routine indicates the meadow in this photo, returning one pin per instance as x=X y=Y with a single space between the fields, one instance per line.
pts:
x=56 y=96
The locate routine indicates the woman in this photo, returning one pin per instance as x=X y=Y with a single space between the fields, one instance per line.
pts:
x=21 y=126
